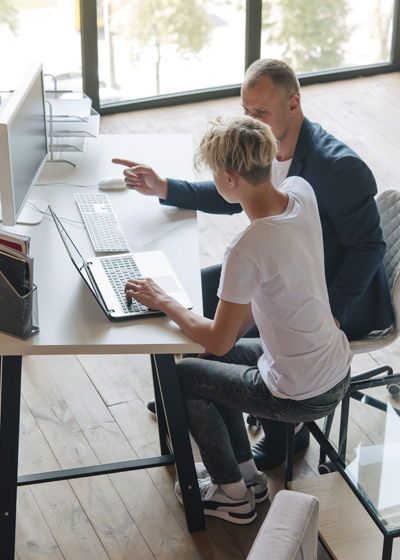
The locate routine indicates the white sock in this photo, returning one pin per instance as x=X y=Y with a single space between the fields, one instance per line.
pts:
x=235 y=490
x=248 y=470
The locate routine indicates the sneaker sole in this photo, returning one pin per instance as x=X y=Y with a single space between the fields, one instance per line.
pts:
x=258 y=498
x=261 y=496
x=232 y=517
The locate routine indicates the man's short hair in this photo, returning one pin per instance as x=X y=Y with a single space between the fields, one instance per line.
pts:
x=278 y=71
x=241 y=144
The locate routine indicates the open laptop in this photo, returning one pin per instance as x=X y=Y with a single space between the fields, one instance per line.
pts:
x=106 y=277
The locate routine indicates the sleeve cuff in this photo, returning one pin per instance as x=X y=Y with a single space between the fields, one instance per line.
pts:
x=232 y=299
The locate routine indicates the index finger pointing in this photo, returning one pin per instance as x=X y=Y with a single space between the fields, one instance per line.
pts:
x=126 y=162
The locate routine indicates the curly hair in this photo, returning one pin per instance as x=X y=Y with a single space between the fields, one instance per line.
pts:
x=240 y=144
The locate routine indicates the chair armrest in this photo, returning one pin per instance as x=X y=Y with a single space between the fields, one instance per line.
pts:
x=290 y=530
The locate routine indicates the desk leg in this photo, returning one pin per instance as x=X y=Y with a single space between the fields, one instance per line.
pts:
x=170 y=392
x=161 y=420
x=387 y=548
x=10 y=398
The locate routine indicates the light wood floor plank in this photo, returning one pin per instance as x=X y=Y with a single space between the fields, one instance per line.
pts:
x=78 y=432
x=63 y=513
x=119 y=378
x=34 y=539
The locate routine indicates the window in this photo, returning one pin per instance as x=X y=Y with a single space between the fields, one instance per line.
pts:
x=176 y=50
x=314 y=35
x=161 y=47
x=40 y=30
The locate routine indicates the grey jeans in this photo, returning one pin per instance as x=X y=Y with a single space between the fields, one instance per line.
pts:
x=217 y=390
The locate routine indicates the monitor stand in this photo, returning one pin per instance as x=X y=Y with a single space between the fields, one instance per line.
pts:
x=32 y=212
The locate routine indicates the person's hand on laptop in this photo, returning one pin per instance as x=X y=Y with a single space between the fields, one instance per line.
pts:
x=143 y=178
x=147 y=292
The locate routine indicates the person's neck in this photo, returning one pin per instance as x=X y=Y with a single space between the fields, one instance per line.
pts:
x=264 y=201
x=287 y=145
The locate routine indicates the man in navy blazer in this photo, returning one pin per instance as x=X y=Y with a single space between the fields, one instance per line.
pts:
x=345 y=190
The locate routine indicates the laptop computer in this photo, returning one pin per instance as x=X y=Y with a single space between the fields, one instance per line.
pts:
x=106 y=277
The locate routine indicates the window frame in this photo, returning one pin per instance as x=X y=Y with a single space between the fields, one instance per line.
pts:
x=90 y=63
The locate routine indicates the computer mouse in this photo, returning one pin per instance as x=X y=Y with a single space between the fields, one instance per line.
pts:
x=111 y=184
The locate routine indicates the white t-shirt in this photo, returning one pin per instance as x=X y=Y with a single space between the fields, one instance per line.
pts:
x=277 y=264
x=279 y=171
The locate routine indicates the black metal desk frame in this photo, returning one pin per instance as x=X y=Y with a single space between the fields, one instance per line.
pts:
x=174 y=445
x=338 y=457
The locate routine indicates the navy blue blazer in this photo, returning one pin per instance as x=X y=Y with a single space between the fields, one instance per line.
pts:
x=353 y=241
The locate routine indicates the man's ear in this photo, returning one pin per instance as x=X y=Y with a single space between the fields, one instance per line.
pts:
x=294 y=102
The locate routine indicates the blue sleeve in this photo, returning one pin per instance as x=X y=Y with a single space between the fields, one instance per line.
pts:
x=349 y=202
x=201 y=196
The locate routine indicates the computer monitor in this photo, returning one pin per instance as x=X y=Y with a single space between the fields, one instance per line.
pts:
x=23 y=143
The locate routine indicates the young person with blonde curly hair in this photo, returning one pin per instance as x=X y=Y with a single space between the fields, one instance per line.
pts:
x=272 y=275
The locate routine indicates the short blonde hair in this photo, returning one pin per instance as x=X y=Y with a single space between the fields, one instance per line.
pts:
x=241 y=144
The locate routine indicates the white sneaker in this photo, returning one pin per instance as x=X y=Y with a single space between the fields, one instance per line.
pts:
x=201 y=471
x=203 y=487
x=260 y=487
x=216 y=503
x=259 y=482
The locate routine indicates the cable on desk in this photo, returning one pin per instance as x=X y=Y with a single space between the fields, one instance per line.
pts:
x=46 y=212
x=67 y=184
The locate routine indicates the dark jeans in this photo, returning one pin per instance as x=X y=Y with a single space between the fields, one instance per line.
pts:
x=217 y=391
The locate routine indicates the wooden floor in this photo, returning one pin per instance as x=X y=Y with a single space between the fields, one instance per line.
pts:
x=82 y=410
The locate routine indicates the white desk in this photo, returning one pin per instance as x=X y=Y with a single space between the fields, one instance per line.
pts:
x=71 y=322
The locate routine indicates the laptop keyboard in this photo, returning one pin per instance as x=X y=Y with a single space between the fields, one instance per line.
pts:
x=101 y=223
x=119 y=270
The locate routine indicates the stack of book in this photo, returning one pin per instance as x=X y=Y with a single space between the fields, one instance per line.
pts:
x=16 y=284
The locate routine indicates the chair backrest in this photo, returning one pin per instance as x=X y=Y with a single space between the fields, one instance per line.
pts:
x=388 y=203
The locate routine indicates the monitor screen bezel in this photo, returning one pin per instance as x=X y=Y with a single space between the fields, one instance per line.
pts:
x=7 y=199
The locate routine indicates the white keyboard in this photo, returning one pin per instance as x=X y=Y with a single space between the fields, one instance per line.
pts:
x=101 y=223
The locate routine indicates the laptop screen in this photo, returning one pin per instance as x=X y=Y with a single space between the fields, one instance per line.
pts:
x=77 y=259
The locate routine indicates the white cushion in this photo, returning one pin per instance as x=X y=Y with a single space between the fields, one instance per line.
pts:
x=290 y=530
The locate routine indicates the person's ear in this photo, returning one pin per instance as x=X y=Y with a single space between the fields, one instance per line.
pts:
x=294 y=103
x=231 y=179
